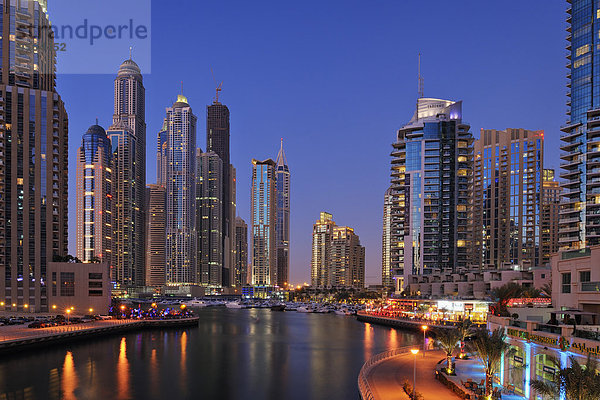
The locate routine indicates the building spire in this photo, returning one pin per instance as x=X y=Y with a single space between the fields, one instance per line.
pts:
x=420 y=80
x=281 y=158
x=130 y=52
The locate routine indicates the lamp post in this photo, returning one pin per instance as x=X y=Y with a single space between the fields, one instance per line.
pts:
x=424 y=327
x=68 y=312
x=415 y=352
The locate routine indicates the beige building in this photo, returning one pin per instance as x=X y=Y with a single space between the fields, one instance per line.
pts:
x=576 y=283
x=550 y=214
x=82 y=287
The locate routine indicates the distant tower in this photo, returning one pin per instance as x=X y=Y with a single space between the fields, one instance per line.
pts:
x=550 y=216
x=181 y=198
x=209 y=211
x=386 y=241
x=156 y=235
x=94 y=197
x=282 y=226
x=241 y=253
x=161 y=154
x=263 y=209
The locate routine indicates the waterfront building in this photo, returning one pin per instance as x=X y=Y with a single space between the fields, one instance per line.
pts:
x=94 y=201
x=387 y=280
x=180 y=190
x=263 y=209
x=34 y=156
x=431 y=188
x=161 y=155
x=156 y=199
x=217 y=141
x=128 y=137
x=240 y=272
x=551 y=192
x=209 y=212
x=338 y=259
x=282 y=225
x=83 y=288
x=580 y=211
x=507 y=187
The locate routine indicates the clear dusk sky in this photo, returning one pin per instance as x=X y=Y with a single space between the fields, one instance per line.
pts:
x=336 y=79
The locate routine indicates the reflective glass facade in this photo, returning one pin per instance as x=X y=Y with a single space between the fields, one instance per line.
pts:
x=282 y=227
x=263 y=209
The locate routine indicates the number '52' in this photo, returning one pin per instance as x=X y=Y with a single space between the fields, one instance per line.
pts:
x=60 y=47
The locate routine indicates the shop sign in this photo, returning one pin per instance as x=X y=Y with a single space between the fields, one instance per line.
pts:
x=549 y=370
x=518 y=359
x=532 y=337
x=450 y=305
x=582 y=348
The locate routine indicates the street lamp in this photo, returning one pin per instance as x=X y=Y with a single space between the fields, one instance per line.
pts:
x=415 y=352
x=68 y=312
x=424 y=327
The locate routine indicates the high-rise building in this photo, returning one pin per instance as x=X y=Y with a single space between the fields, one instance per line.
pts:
x=181 y=194
x=128 y=269
x=338 y=259
x=507 y=191
x=431 y=186
x=387 y=278
x=161 y=155
x=94 y=197
x=580 y=210
x=282 y=225
x=550 y=213
x=263 y=209
x=217 y=140
x=128 y=136
x=209 y=211
x=155 y=234
x=33 y=160
x=240 y=273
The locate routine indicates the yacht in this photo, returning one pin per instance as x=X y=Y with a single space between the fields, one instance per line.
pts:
x=194 y=303
x=233 y=304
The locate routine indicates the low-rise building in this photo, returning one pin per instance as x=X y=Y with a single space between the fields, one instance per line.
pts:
x=82 y=288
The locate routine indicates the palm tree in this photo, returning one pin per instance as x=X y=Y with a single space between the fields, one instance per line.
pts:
x=465 y=329
x=448 y=340
x=503 y=294
x=531 y=292
x=489 y=350
x=547 y=289
x=577 y=382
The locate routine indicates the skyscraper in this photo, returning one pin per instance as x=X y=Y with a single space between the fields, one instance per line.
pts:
x=240 y=272
x=507 y=196
x=338 y=259
x=386 y=241
x=33 y=160
x=432 y=166
x=209 y=212
x=550 y=215
x=282 y=225
x=128 y=136
x=161 y=155
x=580 y=212
x=263 y=208
x=181 y=194
x=94 y=197
x=155 y=235
x=217 y=141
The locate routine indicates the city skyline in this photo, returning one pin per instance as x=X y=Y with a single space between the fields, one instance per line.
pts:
x=345 y=130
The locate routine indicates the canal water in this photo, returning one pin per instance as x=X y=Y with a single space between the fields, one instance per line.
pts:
x=233 y=354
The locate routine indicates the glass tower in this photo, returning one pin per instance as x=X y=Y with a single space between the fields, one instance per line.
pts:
x=263 y=208
x=431 y=186
x=282 y=226
x=580 y=210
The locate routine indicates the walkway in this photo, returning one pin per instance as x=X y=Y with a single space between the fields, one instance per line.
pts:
x=387 y=377
x=472 y=369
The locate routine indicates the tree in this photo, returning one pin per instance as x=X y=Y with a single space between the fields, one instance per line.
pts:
x=447 y=341
x=503 y=294
x=465 y=329
x=489 y=349
x=577 y=382
x=547 y=289
x=531 y=293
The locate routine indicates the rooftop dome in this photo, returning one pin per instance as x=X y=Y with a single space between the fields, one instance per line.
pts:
x=182 y=101
x=129 y=67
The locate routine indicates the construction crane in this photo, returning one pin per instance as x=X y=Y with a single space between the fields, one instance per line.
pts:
x=218 y=86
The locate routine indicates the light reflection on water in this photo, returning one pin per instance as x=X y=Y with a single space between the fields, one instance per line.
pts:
x=233 y=354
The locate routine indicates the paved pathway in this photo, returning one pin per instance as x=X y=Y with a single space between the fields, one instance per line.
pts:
x=19 y=332
x=387 y=377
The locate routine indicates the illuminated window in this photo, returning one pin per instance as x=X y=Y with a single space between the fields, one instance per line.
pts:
x=460 y=243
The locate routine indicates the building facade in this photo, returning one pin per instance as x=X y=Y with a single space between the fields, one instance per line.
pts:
x=209 y=214
x=217 y=141
x=181 y=198
x=338 y=259
x=263 y=209
x=34 y=156
x=94 y=201
x=156 y=200
x=161 y=155
x=431 y=188
x=507 y=193
x=580 y=211
x=240 y=272
x=387 y=278
x=551 y=192
x=282 y=225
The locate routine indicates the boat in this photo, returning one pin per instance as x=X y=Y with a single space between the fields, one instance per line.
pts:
x=303 y=310
x=278 y=307
x=233 y=304
x=194 y=303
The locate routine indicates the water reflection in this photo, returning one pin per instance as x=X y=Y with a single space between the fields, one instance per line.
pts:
x=123 y=391
x=368 y=341
x=69 y=380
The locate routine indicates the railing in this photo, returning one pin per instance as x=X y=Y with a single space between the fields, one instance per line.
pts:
x=590 y=286
x=366 y=393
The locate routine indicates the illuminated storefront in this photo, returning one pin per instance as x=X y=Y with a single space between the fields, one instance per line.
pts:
x=433 y=310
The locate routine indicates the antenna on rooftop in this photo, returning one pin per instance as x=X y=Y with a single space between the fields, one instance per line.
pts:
x=420 y=78
x=130 y=52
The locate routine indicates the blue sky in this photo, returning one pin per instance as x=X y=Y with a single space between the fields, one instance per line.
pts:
x=336 y=79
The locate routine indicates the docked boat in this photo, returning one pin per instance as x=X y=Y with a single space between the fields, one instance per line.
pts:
x=233 y=304
x=194 y=303
x=303 y=310
x=278 y=307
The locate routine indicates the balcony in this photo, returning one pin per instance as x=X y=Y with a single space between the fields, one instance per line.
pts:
x=590 y=286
